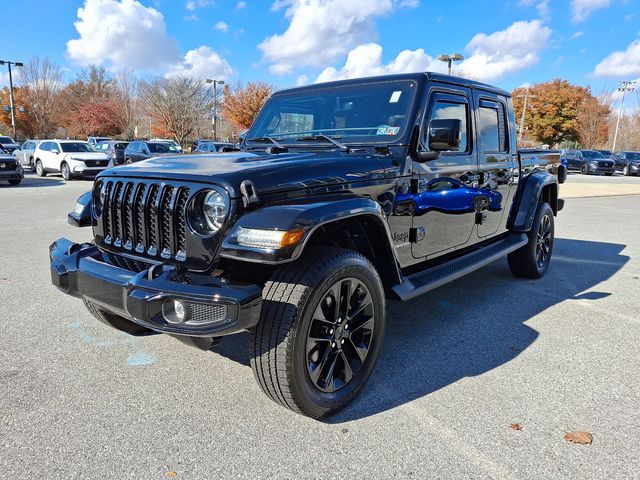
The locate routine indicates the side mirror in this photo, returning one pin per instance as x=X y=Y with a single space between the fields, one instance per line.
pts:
x=444 y=135
x=55 y=150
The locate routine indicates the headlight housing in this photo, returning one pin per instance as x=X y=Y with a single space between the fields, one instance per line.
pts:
x=97 y=200
x=207 y=212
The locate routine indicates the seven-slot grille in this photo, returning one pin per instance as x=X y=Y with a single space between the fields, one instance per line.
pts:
x=145 y=218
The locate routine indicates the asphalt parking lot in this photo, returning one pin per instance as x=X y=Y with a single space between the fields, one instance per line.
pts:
x=458 y=366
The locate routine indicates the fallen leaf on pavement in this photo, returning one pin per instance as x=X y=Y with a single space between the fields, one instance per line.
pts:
x=515 y=426
x=579 y=437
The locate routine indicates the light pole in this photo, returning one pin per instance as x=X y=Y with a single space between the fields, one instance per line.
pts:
x=524 y=113
x=215 y=104
x=455 y=57
x=13 y=108
x=624 y=87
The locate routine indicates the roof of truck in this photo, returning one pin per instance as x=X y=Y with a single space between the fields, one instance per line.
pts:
x=420 y=76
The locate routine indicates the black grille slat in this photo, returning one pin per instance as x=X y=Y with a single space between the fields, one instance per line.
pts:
x=146 y=217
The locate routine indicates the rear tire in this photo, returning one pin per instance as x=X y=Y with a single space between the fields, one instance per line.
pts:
x=15 y=182
x=532 y=260
x=32 y=165
x=127 y=161
x=40 y=169
x=320 y=331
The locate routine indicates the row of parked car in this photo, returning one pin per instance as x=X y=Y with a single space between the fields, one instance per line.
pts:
x=74 y=158
x=601 y=162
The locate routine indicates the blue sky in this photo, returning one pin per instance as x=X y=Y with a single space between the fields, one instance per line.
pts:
x=289 y=42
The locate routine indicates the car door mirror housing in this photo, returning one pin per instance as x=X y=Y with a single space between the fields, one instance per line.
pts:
x=55 y=150
x=444 y=135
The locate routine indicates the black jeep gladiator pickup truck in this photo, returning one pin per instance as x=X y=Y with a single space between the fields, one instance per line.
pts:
x=341 y=196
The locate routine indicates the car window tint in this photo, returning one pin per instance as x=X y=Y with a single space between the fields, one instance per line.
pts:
x=489 y=129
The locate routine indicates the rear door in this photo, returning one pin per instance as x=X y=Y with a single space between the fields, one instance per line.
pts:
x=495 y=161
x=444 y=190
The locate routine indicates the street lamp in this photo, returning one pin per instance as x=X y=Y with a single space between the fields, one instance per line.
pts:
x=215 y=104
x=455 y=57
x=526 y=96
x=13 y=108
x=624 y=87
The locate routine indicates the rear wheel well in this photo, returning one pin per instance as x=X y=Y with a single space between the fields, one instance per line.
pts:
x=364 y=234
x=549 y=195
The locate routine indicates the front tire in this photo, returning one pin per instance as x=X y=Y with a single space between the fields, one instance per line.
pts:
x=66 y=172
x=40 y=169
x=15 y=182
x=625 y=171
x=584 y=169
x=532 y=260
x=320 y=331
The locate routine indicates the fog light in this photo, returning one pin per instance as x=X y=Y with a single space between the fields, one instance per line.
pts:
x=175 y=311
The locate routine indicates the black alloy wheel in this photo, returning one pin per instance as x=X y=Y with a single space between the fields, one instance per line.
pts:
x=544 y=241
x=340 y=334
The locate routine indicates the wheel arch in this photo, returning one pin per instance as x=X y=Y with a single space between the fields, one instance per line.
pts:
x=535 y=187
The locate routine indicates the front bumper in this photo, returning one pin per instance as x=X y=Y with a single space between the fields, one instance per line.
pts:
x=80 y=270
x=12 y=174
x=601 y=169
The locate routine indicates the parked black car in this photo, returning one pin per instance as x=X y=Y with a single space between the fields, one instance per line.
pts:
x=10 y=168
x=588 y=162
x=8 y=144
x=627 y=162
x=143 y=149
x=345 y=194
x=213 y=147
x=114 y=148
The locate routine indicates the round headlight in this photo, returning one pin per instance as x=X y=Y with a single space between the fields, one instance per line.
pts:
x=215 y=210
x=208 y=212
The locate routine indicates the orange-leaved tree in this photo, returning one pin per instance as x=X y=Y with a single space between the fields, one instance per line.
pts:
x=241 y=104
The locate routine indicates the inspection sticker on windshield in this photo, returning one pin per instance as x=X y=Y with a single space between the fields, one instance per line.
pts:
x=388 y=130
x=395 y=96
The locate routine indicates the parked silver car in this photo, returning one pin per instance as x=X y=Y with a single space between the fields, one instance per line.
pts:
x=24 y=154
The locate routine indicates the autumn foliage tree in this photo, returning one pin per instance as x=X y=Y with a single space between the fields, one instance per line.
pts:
x=96 y=118
x=241 y=104
x=552 y=110
x=24 y=124
x=592 y=123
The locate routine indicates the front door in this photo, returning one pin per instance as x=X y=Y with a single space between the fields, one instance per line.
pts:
x=444 y=190
x=496 y=164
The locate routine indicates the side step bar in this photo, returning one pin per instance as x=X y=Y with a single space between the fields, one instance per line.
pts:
x=434 y=277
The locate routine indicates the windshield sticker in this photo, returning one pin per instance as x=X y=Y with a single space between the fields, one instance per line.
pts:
x=395 y=96
x=388 y=130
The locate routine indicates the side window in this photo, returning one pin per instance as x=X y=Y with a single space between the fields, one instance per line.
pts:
x=492 y=127
x=446 y=110
x=44 y=146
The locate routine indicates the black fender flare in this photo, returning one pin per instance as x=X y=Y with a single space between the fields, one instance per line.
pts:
x=529 y=192
x=308 y=215
x=81 y=216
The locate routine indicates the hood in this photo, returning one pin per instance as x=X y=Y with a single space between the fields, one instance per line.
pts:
x=269 y=173
x=88 y=155
x=10 y=145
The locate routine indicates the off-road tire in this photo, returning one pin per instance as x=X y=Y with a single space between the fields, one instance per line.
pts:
x=278 y=344
x=40 y=169
x=524 y=262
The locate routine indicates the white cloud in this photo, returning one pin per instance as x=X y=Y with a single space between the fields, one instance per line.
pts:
x=321 y=31
x=577 y=35
x=581 y=9
x=124 y=34
x=492 y=56
x=366 y=60
x=302 y=80
x=542 y=6
x=191 y=5
x=621 y=63
x=203 y=63
x=222 y=26
x=506 y=51
x=240 y=5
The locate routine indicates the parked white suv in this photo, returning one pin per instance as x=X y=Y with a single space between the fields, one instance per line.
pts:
x=69 y=157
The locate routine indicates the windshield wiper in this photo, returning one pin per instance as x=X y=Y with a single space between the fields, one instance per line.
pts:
x=327 y=138
x=266 y=139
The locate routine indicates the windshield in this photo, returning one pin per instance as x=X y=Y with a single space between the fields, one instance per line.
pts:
x=365 y=113
x=76 y=147
x=632 y=156
x=162 y=147
x=6 y=140
x=591 y=154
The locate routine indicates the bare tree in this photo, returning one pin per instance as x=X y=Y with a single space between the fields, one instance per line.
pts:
x=127 y=96
x=592 y=122
x=42 y=81
x=179 y=103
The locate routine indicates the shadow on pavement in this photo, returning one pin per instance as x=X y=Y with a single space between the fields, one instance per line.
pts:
x=467 y=327
x=30 y=181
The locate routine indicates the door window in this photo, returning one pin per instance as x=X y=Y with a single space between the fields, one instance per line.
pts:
x=492 y=127
x=450 y=110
